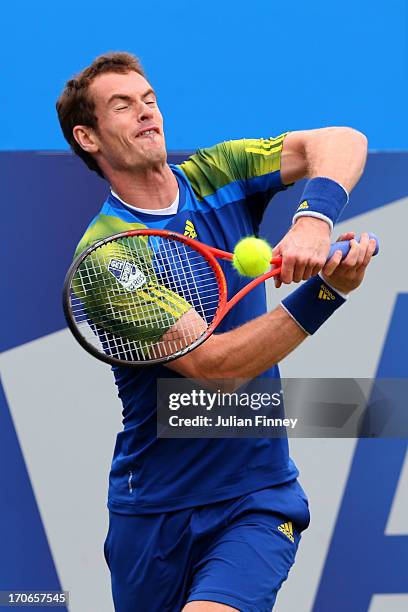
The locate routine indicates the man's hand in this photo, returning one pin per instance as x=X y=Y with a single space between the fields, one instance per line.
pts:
x=303 y=249
x=347 y=274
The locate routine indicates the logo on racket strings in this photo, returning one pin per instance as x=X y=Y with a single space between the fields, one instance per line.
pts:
x=127 y=274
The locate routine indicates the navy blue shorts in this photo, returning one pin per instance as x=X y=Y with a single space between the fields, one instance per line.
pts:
x=236 y=552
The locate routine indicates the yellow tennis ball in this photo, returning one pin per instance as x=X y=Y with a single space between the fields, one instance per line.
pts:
x=252 y=256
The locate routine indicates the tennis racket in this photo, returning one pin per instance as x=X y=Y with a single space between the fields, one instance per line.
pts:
x=149 y=296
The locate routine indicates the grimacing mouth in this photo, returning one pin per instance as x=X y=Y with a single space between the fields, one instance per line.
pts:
x=146 y=131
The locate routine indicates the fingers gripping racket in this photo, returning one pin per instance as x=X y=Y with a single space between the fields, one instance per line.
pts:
x=149 y=296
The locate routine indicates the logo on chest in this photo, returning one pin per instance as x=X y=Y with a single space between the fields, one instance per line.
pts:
x=189 y=229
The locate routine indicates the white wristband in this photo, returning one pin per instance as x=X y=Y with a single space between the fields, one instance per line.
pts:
x=316 y=215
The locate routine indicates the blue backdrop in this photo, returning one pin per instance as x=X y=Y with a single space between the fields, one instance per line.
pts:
x=222 y=69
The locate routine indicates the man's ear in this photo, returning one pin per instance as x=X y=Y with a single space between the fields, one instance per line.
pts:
x=86 y=138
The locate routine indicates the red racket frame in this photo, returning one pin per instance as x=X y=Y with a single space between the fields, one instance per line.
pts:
x=209 y=253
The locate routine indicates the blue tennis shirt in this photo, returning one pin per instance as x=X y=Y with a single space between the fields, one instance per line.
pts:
x=223 y=192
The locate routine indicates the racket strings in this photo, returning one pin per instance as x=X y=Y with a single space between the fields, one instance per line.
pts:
x=141 y=298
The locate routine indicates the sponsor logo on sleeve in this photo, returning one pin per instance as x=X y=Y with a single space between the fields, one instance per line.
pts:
x=304 y=205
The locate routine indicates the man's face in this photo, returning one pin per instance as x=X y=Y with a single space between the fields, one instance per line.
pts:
x=129 y=131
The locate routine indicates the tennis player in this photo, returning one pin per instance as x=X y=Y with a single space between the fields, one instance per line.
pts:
x=210 y=524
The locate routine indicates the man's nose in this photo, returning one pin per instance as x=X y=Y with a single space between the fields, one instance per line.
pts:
x=145 y=112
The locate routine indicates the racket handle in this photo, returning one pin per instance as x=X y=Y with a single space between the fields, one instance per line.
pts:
x=344 y=246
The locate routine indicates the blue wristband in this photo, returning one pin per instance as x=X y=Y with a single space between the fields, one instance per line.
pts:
x=312 y=304
x=322 y=198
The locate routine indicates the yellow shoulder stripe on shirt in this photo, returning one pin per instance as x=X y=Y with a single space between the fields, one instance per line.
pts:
x=213 y=168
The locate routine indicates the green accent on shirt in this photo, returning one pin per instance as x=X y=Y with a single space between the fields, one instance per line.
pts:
x=215 y=167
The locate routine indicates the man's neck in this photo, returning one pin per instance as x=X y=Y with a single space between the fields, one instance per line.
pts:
x=152 y=188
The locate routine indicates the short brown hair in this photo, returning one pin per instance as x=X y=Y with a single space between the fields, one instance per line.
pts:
x=76 y=107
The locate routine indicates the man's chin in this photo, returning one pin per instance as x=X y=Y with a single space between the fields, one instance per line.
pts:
x=148 y=159
x=156 y=156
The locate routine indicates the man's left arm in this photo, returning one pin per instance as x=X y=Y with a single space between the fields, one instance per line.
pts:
x=333 y=160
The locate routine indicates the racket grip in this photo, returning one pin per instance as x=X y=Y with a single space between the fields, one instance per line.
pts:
x=344 y=246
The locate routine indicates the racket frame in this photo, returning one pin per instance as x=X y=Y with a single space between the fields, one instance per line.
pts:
x=209 y=253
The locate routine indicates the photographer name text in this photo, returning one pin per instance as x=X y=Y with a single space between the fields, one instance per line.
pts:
x=231 y=421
